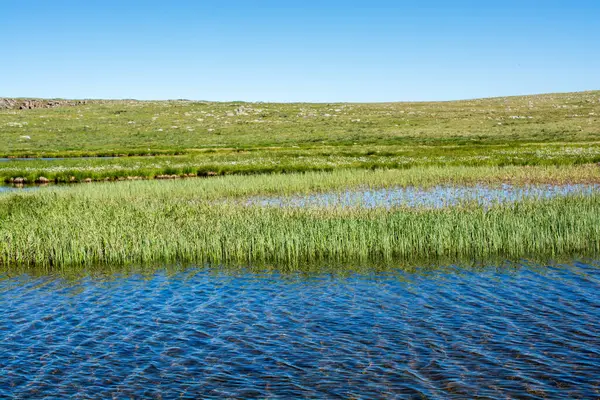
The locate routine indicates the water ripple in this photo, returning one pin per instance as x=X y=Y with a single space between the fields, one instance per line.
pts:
x=520 y=332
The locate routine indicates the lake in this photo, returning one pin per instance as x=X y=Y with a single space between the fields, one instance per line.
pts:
x=520 y=331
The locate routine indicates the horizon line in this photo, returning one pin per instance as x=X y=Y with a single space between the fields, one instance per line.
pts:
x=293 y=102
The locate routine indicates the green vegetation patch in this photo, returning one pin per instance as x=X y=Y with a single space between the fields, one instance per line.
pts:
x=192 y=221
x=151 y=139
x=151 y=127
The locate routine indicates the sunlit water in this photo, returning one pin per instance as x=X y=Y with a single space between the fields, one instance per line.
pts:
x=513 y=332
x=435 y=197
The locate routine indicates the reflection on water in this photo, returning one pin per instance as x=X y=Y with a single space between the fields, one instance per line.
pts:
x=5 y=159
x=12 y=188
x=436 y=197
x=450 y=333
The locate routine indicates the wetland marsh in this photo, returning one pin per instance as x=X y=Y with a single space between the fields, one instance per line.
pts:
x=219 y=220
x=150 y=138
x=438 y=250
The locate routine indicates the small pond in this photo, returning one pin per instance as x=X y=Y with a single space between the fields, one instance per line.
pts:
x=434 y=197
x=521 y=331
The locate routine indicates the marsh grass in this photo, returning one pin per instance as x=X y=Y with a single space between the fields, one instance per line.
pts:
x=261 y=161
x=149 y=222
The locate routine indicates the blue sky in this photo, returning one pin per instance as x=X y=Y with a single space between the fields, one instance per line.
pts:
x=297 y=50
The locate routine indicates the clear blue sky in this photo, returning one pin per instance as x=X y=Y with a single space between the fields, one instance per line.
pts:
x=288 y=50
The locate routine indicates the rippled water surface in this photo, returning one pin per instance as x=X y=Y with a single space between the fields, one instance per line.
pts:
x=516 y=332
x=437 y=196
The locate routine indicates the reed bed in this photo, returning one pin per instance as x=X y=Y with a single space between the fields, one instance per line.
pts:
x=151 y=222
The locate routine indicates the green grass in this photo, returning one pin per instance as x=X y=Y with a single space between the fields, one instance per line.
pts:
x=256 y=161
x=150 y=222
x=133 y=127
x=552 y=138
x=186 y=137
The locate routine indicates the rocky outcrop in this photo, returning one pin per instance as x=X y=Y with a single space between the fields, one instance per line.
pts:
x=29 y=104
x=7 y=103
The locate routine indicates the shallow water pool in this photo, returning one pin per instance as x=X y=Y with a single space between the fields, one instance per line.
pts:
x=517 y=332
x=434 y=197
x=7 y=188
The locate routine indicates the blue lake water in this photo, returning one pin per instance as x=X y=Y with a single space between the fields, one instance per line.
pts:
x=514 y=332
x=434 y=197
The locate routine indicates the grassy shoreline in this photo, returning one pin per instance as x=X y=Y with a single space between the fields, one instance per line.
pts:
x=230 y=162
x=179 y=221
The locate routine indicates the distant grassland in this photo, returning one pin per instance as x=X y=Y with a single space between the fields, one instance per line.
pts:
x=195 y=221
x=207 y=138
x=115 y=127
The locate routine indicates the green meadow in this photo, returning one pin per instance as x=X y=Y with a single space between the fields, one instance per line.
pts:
x=152 y=138
x=230 y=152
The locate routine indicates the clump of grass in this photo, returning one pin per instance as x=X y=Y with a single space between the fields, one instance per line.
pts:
x=181 y=221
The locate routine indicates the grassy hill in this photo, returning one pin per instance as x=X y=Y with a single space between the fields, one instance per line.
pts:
x=211 y=137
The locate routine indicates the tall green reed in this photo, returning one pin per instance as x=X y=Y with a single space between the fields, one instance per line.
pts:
x=186 y=221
